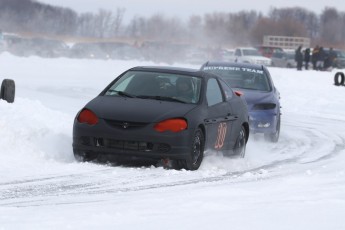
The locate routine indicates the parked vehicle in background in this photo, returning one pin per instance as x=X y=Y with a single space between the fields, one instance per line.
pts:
x=195 y=55
x=7 y=91
x=88 y=50
x=42 y=47
x=250 y=55
x=126 y=52
x=284 y=59
x=267 y=51
x=339 y=61
x=227 y=54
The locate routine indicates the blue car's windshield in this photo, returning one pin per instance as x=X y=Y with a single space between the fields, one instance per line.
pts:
x=242 y=77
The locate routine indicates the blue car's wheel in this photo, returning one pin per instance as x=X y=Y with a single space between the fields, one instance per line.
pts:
x=274 y=137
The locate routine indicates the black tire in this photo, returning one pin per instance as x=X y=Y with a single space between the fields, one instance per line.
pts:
x=8 y=90
x=241 y=142
x=274 y=137
x=338 y=82
x=193 y=162
x=81 y=156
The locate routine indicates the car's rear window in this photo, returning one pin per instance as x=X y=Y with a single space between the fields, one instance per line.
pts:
x=242 y=77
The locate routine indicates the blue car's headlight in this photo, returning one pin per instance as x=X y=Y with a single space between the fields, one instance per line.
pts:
x=264 y=106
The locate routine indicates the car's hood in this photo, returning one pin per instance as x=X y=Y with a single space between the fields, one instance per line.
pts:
x=253 y=97
x=135 y=109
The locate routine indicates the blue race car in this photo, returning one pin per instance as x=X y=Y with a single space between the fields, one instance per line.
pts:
x=259 y=91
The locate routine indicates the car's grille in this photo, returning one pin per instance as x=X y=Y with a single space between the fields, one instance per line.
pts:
x=141 y=146
x=85 y=141
x=126 y=124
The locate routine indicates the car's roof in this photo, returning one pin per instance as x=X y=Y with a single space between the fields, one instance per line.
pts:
x=170 y=69
x=233 y=64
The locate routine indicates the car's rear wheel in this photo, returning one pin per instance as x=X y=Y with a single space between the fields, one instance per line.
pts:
x=193 y=161
x=274 y=137
x=241 y=142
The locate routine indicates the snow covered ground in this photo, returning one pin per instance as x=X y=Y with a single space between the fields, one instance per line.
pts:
x=298 y=183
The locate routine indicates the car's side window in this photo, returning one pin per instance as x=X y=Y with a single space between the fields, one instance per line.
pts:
x=213 y=92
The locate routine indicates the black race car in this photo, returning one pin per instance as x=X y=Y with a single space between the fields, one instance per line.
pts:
x=162 y=113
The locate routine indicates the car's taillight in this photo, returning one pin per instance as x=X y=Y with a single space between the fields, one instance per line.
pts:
x=238 y=93
x=264 y=106
x=88 y=117
x=173 y=125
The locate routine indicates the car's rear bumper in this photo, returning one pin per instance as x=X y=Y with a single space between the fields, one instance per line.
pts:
x=263 y=121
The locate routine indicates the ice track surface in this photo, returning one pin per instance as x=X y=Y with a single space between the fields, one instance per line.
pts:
x=42 y=186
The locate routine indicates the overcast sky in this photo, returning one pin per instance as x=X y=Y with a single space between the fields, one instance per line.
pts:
x=185 y=8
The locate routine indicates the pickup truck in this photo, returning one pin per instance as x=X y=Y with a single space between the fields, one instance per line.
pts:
x=7 y=90
x=251 y=56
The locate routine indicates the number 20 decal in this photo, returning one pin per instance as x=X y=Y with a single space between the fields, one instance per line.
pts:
x=221 y=135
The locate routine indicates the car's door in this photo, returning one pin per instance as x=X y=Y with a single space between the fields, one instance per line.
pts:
x=219 y=117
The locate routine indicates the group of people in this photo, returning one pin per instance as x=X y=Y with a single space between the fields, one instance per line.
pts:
x=318 y=57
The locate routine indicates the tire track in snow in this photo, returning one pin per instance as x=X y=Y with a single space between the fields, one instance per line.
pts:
x=43 y=191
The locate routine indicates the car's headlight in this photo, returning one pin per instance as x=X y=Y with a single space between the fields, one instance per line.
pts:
x=88 y=117
x=174 y=125
x=264 y=106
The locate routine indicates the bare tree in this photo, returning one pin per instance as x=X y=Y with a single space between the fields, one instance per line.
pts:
x=332 y=26
x=117 y=21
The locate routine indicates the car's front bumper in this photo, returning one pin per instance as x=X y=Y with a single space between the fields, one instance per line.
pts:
x=131 y=142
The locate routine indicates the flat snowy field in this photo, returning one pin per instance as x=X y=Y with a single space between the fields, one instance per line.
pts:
x=297 y=183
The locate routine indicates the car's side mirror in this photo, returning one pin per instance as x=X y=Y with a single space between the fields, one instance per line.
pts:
x=7 y=91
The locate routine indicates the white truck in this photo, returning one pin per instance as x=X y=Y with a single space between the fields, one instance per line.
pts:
x=7 y=91
x=250 y=55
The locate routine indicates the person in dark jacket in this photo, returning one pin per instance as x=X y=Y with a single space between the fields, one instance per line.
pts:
x=315 y=56
x=299 y=58
x=306 y=57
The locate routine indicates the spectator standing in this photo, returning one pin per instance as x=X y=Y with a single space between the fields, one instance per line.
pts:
x=299 y=58
x=315 y=56
x=306 y=58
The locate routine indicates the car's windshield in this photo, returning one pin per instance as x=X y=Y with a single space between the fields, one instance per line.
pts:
x=157 y=86
x=242 y=77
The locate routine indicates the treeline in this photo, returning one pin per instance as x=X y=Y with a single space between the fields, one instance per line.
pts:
x=213 y=29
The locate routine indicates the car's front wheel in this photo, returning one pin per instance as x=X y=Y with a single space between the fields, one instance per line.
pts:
x=193 y=161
